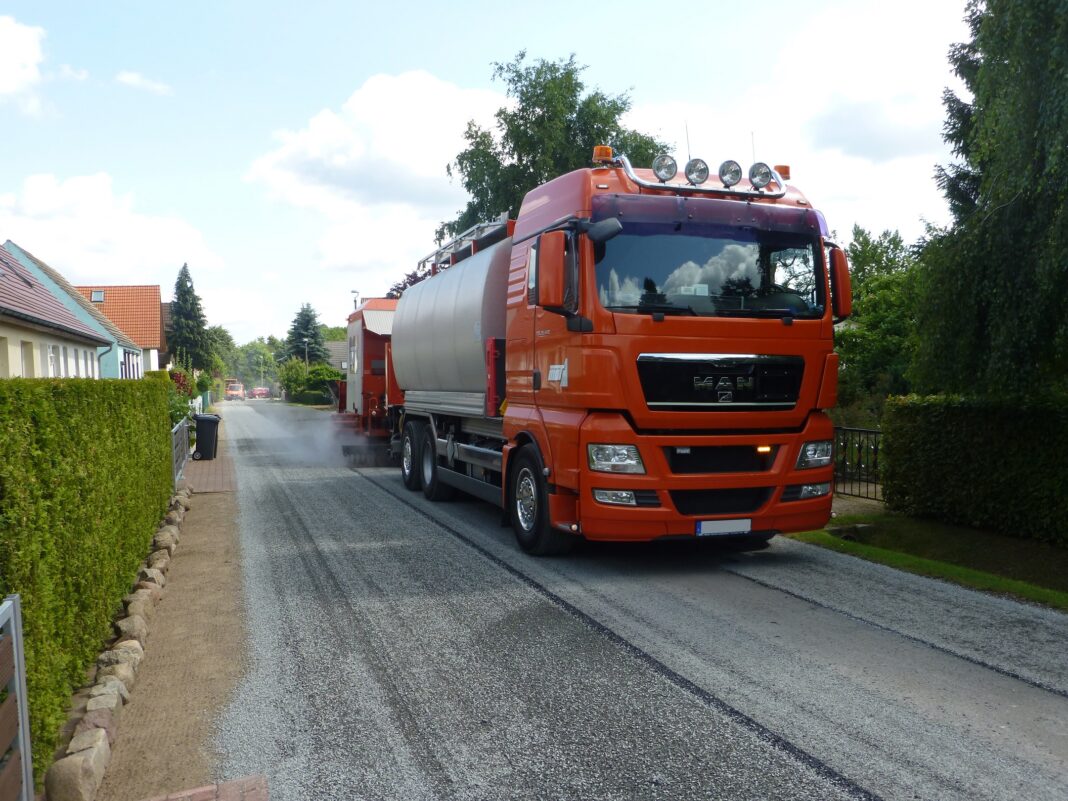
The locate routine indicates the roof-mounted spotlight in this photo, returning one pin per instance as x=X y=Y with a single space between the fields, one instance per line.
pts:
x=730 y=173
x=664 y=167
x=760 y=175
x=696 y=171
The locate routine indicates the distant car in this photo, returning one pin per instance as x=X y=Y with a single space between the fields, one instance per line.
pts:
x=235 y=392
x=261 y=392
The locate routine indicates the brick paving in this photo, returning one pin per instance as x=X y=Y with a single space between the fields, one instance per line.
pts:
x=251 y=788
x=212 y=475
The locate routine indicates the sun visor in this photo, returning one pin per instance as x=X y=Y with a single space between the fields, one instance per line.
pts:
x=661 y=210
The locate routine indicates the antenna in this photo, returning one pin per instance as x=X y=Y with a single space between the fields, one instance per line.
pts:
x=687 y=124
x=752 y=141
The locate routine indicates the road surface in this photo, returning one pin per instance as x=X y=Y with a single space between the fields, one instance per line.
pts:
x=408 y=650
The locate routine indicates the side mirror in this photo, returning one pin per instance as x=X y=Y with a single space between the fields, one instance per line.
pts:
x=551 y=270
x=604 y=230
x=841 y=286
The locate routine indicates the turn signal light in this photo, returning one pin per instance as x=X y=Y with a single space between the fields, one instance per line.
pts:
x=783 y=170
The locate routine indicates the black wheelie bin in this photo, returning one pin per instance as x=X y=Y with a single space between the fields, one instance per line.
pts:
x=207 y=435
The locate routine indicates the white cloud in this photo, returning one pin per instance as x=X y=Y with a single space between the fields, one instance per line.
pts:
x=374 y=169
x=20 y=60
x=853 y=105
x=89 y=233
x=139 y=81
x=69 y=73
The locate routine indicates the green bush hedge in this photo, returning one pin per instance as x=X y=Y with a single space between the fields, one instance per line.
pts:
x=85 y=474
x=1000 y=466
x=312 y=398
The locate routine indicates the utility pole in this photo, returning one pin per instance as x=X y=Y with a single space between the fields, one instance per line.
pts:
x=305 y=352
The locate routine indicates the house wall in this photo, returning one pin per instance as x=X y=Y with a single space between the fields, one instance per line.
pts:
x=36 y=354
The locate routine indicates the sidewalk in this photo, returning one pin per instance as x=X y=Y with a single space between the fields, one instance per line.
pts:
x=212 y=475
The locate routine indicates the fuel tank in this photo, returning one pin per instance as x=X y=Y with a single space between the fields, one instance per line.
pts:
x=442 y=324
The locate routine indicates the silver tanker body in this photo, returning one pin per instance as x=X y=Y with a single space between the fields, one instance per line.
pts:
x=440 y=332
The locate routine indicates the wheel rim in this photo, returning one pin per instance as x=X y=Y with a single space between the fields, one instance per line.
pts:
x=406 y=457
x=526 y=499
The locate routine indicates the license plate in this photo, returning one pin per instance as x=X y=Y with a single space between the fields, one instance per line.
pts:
x=723 y=528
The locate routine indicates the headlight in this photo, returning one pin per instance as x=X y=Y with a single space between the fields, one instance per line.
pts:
x=615 y=497
x=615 y=459
x=814 y=490
x=760 y=175
x=730 y=173
x=696 y=171
x=815 y=454
x=664 y=167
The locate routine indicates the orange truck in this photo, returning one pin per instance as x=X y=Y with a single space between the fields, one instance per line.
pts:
x=638 y=356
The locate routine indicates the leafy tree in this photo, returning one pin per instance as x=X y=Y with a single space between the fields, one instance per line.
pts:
x=305 y=330
x=189 y=334
x=877 y=343
x=293 y=376
x=277 y=347
x=550 y=129
x=994 y=310
x=334 y=333
x=323 y=378
x=222 y=345
x=256 y=363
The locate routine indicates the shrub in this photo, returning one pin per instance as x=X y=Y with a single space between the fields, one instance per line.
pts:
x=312 y=398
x=85 y=473
x=994 y=465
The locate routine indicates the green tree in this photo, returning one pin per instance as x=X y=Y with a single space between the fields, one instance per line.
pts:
x=223 y=346
x=877 y=343
x=549 y=130
x=257 y=366
x=994 y=302
x=293 y=376
x=305 y=333
x=189 y=330
x=334 y=333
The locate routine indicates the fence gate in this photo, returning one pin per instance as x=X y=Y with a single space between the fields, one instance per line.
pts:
x=856 y=463
x=179 y=450
x=16 y=764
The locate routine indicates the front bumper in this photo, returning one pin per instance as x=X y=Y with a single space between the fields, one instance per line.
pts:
x=673 y=502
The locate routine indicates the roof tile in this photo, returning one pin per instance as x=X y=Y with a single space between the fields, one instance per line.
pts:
x=134 y=309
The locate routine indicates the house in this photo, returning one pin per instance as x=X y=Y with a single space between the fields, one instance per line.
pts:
x=137 y=312
x=121 y=358
x=337 y=355
x=39 y=336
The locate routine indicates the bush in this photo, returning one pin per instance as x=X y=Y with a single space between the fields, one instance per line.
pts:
x=993 y=465
x=312 y=398
x=85 y=473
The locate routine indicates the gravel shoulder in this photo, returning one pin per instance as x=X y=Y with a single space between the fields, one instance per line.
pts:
x=193 y=659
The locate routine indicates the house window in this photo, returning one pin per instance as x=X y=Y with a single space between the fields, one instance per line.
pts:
x=65 y=365
x=97 y=296
x=5 y=371
x=51 y=365
x=27 y=360
x=77 y=364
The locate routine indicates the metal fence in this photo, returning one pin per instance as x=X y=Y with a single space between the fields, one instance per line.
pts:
x=180 y=447
x=16 y=762
x=856 y=463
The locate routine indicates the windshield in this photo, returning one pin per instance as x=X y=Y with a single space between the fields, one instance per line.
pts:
x=710 y=271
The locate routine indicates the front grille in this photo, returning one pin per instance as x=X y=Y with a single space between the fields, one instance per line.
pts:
x=647 y=498
x=720 y=501
x=720 y=382
x=719 y=459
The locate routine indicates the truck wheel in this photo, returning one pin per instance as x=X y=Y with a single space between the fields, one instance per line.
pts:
x=529 y=501
x=410 y=456
x=433 y=489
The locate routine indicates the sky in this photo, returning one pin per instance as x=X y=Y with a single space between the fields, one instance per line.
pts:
x=294 y=153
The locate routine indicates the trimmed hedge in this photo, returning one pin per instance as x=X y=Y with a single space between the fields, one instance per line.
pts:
x=993 y=465
x=85 y=475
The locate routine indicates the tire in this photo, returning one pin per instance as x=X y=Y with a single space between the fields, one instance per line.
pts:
x=410 y=457
x=433 y=488
x=197 y=456
x=528 y=501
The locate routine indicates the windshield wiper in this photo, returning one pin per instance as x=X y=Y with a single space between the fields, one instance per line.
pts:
x=755 y=313
x=666 y=308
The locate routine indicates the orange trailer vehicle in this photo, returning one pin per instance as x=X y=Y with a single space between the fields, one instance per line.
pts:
x=635 y=357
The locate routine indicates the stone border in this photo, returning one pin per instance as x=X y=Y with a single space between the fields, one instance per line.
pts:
x=78 y=774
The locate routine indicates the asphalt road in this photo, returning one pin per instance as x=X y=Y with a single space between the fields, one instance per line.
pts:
x=407 y=650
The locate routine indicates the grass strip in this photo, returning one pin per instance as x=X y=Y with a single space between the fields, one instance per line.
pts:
x=964 y=576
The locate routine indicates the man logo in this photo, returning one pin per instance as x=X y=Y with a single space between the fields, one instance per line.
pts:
x=723 y=386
